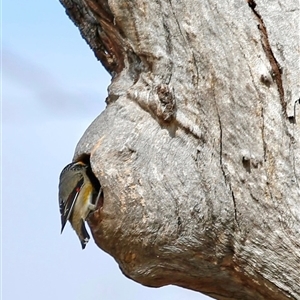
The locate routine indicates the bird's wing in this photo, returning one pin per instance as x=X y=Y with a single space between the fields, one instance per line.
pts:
x=68 y=197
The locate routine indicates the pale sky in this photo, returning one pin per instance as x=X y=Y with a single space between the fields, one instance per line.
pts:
x=52 y=89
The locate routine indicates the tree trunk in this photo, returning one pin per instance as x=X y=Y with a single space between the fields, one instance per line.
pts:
x=197 y=150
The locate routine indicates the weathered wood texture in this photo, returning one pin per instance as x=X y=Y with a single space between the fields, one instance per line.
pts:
x=197 y=151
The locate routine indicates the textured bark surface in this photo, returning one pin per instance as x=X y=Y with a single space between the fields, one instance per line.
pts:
x=198 y=150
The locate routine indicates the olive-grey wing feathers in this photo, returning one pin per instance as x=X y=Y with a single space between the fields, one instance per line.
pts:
x=69 y=189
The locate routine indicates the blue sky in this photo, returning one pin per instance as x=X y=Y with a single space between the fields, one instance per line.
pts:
x=52 y=89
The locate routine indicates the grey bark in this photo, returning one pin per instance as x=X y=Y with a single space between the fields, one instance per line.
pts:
x=198 y=148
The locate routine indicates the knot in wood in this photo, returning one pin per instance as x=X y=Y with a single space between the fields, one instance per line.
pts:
x=167 y=102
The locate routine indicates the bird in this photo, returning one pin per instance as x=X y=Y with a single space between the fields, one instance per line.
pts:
x=79 y=192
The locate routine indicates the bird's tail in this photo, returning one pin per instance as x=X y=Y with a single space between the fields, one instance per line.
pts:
x=84 y=236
